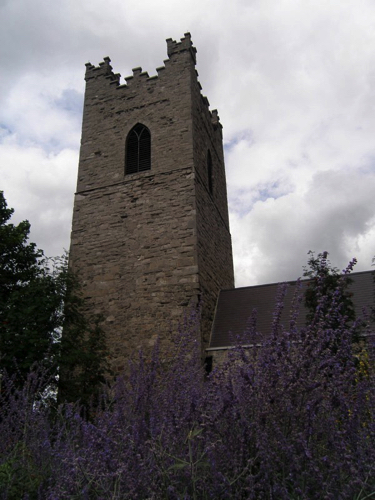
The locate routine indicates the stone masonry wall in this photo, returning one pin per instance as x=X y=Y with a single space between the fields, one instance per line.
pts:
x=136 y=238
x=215 y=260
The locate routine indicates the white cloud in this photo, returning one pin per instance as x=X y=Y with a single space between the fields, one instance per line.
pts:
x=41 y=187
x=44 y=113
x=335 y=214
x=294 y=83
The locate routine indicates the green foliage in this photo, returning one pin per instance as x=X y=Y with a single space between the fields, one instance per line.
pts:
x=30 y=303
x=82 y=350
x=20 y=477
x=327 y=282
x=40 y=299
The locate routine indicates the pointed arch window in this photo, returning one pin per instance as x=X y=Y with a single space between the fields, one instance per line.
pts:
x=138 y=150
x=210 y=172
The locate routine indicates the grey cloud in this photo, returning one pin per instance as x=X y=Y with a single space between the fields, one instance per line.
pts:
x=294 y=86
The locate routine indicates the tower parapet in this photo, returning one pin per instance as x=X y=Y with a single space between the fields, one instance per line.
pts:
x=174 y=47
x=104 y=71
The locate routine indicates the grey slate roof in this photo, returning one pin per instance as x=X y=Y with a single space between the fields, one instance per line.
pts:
x=235 y=307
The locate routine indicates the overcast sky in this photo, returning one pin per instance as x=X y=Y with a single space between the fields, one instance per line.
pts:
x=294 y=84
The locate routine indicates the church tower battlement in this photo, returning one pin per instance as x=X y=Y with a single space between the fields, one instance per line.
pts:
x=150 y=232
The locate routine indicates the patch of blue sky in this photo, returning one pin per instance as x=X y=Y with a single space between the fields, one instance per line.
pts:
x=5 y=131
x=368 y=165
x=270 y=191
x=244 y=135
x=50 y=145
x=242 y=201
x=71 y=101
x=54 y=145
x=240 y=206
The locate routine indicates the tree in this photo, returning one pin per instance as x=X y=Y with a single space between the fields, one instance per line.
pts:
x=40 y=299
x=83 y=356
x=326 y=281
x=29 y=301
x=328 y=292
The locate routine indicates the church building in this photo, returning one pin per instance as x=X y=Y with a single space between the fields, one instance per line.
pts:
x=150 y=234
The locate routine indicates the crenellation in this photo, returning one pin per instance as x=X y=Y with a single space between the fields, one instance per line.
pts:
x=114 y=79
x=185 y=44
x=103 y=69
x=215 y=119
x=153 y=83
x=205 y=101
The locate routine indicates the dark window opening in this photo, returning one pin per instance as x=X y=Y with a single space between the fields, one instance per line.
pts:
x=208 y=363
x=209 y=172
x=138 y=150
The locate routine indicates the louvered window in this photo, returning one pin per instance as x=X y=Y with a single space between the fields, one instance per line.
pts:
x=209 y=172
x=138 y=150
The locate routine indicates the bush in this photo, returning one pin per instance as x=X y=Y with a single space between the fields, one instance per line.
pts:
x=293 y=419
x=40 y=298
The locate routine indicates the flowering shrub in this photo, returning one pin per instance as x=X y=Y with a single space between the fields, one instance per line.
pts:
x=293 y=419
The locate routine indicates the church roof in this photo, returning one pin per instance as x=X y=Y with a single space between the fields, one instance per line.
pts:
x=235 y=307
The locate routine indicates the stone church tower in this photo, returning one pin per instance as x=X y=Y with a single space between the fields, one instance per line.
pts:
x=150 y=235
